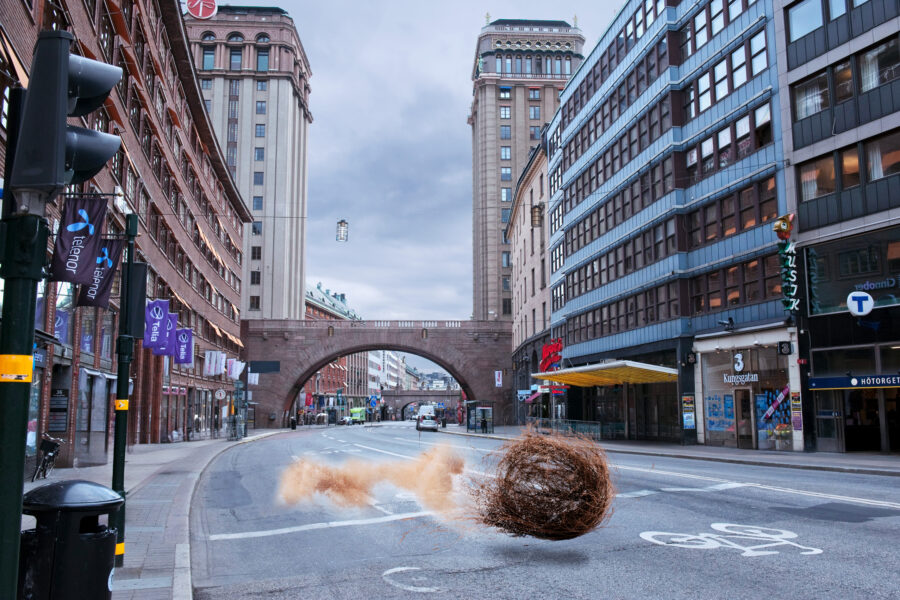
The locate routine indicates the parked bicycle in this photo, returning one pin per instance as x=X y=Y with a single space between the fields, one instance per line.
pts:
x=49 y=451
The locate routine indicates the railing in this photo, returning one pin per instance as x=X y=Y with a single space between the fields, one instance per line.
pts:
x=593 y=429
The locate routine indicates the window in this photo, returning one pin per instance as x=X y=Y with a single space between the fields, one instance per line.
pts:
x=716 y=9
x=260 y=107
x=206 y=84
x=738 y=67
x=836 y=8
x=506 y=194
x=504 y=112
x=720 y=71
x=725 y=154
x=504 y=91
x=504 y=215
x=742 y=135
x=811 y=96
x=505 y=132
x=257 y=202
x=843 y=82
x=262 y=60
x=505 y=153
x=506 y=284
x=236 y=55
x=256 y=253
x=701 y=33
x=817 y=178
x=534 y=132
x=758 y=53
x=255 y=277
x=260 y=130
x=262 y=85
x=507 y=306
x=850 y=168
x=258 y=178
x=704 y=92
x=256 y=228
x=883 y=156
x=505 y=174
x=505 y=260
x=534 y=94
x=259 y=154
x=235 y=37
x=763 y=125
x=209 y=58
x=534 y=112
x=208 y=103
x=254 y=302
x=803 y=18
x=879 y=65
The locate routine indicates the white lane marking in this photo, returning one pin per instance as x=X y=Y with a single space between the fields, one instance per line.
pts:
x=637 y=494
x=311 y=526
x=711 y=488
x=485 y=450
x=771 y=488
x=738 y=538
x=374 y=504
x=408 y=588
x=474 y=472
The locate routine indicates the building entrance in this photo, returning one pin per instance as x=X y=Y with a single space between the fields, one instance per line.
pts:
x=829 y=421
x=746 y=425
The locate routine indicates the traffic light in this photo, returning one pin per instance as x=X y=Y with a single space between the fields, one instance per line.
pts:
x=50 y=154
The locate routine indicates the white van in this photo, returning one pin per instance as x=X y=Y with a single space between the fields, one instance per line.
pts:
x=426 y=411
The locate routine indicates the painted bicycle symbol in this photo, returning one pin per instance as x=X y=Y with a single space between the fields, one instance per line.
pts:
x=750 y=539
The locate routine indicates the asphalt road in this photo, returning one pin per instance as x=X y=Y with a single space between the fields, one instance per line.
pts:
x=680 y=529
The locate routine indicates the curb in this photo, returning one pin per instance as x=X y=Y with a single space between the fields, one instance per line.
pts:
x=737 y=461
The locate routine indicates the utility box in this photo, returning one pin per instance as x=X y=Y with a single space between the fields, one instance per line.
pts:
x=70 y=553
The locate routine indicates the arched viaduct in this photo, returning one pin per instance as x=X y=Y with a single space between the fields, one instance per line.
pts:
x=470 y=351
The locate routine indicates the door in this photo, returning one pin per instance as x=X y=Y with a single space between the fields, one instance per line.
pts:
x=829 y=421
x=745 y=426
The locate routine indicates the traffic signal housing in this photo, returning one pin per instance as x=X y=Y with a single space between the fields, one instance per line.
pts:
x=50 y=154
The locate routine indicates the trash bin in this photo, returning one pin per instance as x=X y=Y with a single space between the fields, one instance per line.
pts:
x=293 y=423
x=444 y=422
x=70 y=553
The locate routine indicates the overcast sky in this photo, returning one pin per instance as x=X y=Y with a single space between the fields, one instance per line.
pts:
x=390 y=149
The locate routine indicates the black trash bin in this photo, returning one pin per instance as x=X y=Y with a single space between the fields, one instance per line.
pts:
x=70 y=553
x=293 y=423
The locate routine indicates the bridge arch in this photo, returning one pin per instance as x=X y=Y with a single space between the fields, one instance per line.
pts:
x=470 y=351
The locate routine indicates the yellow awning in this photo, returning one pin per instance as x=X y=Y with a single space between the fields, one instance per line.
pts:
x=610 y=373
x=234 y=339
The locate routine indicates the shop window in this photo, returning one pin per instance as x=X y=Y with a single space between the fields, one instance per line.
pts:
x=859 y=261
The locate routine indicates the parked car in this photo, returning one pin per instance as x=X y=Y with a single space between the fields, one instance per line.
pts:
x=346 y=421
x=427 y=422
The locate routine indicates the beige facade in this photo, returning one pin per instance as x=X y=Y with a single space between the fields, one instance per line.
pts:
x=520 y=68
x=254 y=75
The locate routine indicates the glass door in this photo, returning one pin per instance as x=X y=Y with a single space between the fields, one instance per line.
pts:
x=745 y=419
x=829 y=421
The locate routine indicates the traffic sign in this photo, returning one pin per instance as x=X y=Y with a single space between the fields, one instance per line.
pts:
x=373 y=402
x=860 y=304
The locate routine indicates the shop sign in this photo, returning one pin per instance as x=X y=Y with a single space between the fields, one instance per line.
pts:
x=687 y=411
x=58 y=417
x=849 y=383
x=796 y=412
x=787 y=255
x=739 y=378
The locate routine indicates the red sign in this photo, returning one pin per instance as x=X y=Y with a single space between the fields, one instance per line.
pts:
x=202 y=9
x=550 y=355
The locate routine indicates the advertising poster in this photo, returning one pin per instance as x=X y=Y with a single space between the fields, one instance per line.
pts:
x=687 y=411
x=796 y=412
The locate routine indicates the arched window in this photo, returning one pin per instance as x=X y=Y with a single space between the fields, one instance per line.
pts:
x=209 y=36
x=235 y=37
x=263 y=38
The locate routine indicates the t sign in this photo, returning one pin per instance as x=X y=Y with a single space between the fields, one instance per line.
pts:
x=860 y=304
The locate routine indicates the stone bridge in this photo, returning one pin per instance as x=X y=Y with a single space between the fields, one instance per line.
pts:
x=290 y=352
x=398 y=401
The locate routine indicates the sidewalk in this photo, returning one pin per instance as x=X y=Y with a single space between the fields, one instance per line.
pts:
x=865 y=463
x=159 y=484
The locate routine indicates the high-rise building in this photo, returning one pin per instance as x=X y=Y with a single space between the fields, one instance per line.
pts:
x=520 y=68
x=254 y=76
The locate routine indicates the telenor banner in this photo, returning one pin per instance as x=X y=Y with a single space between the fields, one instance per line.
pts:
x=78 y=240
x=96 y=293
x=168 y=346
x=184 y=347
x=155 y=320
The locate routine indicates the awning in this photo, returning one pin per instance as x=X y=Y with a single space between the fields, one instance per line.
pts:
x=9 y=53
x=611 y=373
x=533 y=396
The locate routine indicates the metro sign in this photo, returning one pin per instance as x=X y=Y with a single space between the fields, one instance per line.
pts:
x=202 y=9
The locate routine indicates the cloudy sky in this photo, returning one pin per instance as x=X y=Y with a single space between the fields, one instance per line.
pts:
x=390 y=149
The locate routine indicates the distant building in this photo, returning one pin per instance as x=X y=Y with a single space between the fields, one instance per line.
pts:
x=519 y=70
x=254 y=77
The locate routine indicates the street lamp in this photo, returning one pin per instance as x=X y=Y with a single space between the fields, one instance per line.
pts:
x=342 y=231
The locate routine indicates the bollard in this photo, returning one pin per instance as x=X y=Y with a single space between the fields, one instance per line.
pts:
x=70 y=553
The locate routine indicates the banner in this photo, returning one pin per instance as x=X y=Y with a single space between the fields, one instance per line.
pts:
x=78 y=240
x=96 y=293
x=184 y=347
x=235 y=368
x=252 y=378
x=167 y=347
x=61 y=325
x=220 y=363
x=155 y=320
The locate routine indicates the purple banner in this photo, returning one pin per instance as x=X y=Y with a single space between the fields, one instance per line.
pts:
x=61 y=325
x=78 y=240
x=168 y=346
x=155 y=320
x=97 y=292
x=184 y=347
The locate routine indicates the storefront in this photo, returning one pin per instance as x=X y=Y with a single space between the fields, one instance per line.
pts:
x=748 y=389
x=855 y=360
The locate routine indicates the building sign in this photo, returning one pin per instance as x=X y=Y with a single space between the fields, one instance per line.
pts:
x=551 y=355
x=787 y=255
x=739 y=378
x=860 y=303
x=58 y=418
x=687 y=411
x=849 y=383
x=498 y=378
x=202 y=9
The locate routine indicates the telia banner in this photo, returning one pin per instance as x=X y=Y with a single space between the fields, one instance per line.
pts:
x=184 y=346
x=78 y=240
x=155 y=321
x=167 y=348
x=97 y=292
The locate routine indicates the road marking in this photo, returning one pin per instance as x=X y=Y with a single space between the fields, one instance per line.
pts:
x=712 y=488
x=312 y=526
x=485 y=450
x=771 y=488
x=408 y=588
x=737 y=538
x=637 y=494
x=474 y=472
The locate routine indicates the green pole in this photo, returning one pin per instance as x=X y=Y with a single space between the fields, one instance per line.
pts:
x=125 y=351
x=23 y=254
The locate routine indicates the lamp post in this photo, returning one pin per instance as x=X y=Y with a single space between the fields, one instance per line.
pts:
x=343 y=230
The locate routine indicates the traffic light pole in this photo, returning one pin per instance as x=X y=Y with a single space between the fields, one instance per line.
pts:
x=22 y=257
x=125 y=351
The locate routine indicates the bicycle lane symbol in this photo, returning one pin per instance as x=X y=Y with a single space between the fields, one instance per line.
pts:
x=750 y=539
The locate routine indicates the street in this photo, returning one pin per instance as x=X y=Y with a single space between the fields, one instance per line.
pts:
x=680 y=529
